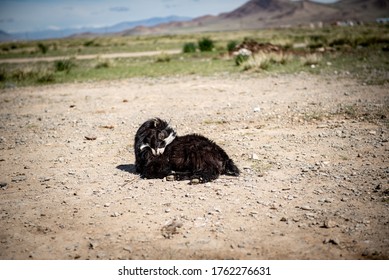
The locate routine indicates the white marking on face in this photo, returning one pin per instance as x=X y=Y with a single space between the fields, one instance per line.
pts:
x=160 y=151
x=170 y=138
x=148 y=146
x=144 y=146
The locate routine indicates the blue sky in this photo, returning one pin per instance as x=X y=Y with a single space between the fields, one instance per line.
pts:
x=34 y=15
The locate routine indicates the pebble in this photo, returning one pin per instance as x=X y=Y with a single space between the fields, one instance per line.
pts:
x=3 y=185
x=19 y=178
x=325 y=200
x=254 y=157
x=128 y=249
x=333 y=240
x=329 y=224
x=91 y=138
x=115 y=214
x=93 y=245
x=195 y=181
x=170 y=178
x=306 y=207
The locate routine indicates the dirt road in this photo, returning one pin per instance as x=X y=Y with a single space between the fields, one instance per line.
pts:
x=313 y=151
x=87 y=56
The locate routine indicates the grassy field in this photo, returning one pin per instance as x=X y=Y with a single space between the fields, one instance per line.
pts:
x=360 y=51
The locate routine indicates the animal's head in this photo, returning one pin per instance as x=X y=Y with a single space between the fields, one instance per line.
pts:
x=155 y=134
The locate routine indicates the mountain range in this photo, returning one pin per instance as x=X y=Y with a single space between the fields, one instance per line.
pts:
x=254 y=14
x=48 y=34
x=257 y=14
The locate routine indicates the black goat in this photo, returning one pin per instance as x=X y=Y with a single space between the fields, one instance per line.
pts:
x=150 y=140
x=161 y=153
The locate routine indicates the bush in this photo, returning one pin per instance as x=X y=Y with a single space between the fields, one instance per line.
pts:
x=103 y=64
x=90 y=43
x=45 y=77
x=311 y=59
x=43 y=48
x=231 y=46
x=3 y=75
x=163 y=57
x=63 y=65
x=206 y=45
x=263 y=61
x=242 y=56
x=189 y=48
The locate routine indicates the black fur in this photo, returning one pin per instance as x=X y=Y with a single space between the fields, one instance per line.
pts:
x=187 y=157
x=148 y=139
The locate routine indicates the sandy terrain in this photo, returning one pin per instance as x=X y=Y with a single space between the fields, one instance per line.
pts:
x=313 y=152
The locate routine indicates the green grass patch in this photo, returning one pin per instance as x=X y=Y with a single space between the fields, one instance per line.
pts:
x=360 y=51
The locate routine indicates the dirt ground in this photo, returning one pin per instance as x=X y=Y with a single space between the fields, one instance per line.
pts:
x=313 y=153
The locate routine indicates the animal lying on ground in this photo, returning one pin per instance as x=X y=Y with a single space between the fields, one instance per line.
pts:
x=159 y=153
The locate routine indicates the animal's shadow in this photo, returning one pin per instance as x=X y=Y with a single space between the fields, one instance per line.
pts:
x=130 y=168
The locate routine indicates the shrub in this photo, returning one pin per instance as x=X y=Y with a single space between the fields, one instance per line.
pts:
x=231 y=46
x=43 y=48
x=163 y=58
x=311 y=59
x=3 y=75
x=242 y=56
x=21 y=74
x=89 y=43
x=189 y=48
x=206 y=45
x=103 y=64
x=262 y=61
x=45 y=77
x=63 y=65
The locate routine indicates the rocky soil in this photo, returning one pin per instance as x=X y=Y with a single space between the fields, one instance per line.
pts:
x=313 y=151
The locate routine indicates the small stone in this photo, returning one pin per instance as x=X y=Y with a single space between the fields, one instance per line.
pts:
x=333 y=240
x=283 y=219
x=257 y=110
x=329 y=224
x=91 y=138
x=115 y=214
x=3 y=185
x=254 y=157
x=128 y=249
x=19 y=178
x=170 y=228
x=107 y=204
x=328 y=200
x=170 y=178
x=93 y=245
x=306 y=207
x=194 y=181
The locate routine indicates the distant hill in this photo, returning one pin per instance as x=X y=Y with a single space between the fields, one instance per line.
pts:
x=4 y=36
x=47 y=34
x=275 y=13
x=254 y=14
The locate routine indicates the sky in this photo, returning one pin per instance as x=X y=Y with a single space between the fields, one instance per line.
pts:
x=35 y=15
